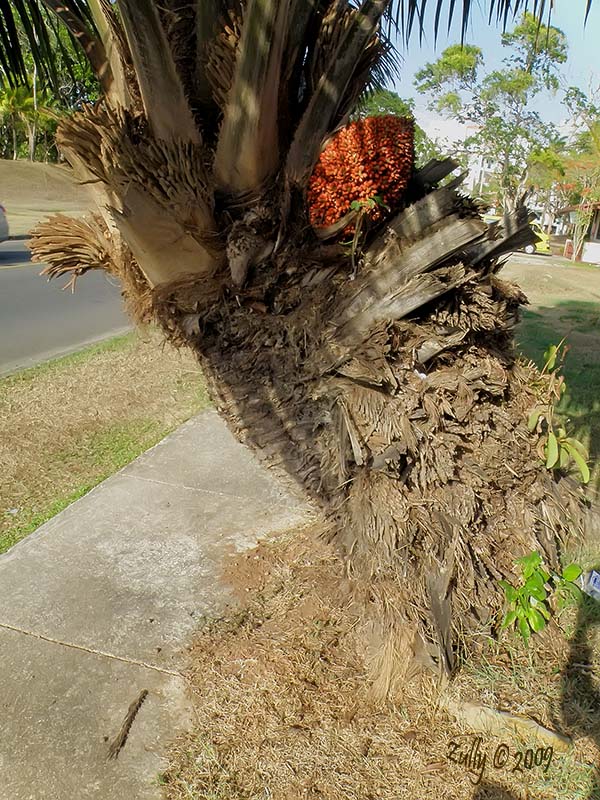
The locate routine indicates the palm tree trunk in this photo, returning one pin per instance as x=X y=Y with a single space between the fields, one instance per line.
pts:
x=383 y=381
x=31 y=137
x=396 y=401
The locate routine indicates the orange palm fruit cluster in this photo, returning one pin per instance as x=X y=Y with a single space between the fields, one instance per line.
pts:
x=372 y=157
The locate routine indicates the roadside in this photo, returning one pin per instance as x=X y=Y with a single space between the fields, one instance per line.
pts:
x=565 y=303
x=32 y=191
x=39 y=321
x=68 y=424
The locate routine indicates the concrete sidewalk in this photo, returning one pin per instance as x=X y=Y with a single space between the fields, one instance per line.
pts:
x=101 y=602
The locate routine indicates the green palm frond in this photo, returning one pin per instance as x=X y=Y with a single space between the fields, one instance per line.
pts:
x=588 y=8
x=30 y=16
x=30 y=19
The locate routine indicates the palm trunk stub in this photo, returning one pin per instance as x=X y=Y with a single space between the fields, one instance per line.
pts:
x=425 y=468
x=395 y=400
x=383 y=380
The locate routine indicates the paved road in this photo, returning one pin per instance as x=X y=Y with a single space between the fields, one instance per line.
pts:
x=38 y=321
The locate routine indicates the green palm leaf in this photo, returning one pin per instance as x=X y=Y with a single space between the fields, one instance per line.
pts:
x=402 y=15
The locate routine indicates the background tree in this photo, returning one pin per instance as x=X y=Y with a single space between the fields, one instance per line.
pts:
x=16 y=106
x=499 y=103
x=58 y=86
x=547 y=169
x=22 y=112
x=582 y=164
x=371 y=358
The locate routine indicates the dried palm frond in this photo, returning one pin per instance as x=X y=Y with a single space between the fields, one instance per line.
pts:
x=70 y=246
x=119 y=741
x=116 y=49
x=211 y=18
x=355 y=27
x=334 y=24
x=247 y=153
x=157 y=190
x=220 y=55
x=178 y=18
x=167 y=109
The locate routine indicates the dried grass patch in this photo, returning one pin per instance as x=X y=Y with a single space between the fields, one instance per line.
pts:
x=283 y=708
x=31 y=190
x=68 y=424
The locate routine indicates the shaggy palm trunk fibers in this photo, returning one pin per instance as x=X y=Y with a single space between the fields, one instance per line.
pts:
x=393 y=396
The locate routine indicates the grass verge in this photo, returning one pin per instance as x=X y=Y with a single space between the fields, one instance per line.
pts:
x=565 y=304
x=68 y=424
x=578 y=322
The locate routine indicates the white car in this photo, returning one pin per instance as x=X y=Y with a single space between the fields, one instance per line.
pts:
x=3 y=224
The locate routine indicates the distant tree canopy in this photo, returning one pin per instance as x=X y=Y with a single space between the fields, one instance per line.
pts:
x=499 y=103
x=30 y=110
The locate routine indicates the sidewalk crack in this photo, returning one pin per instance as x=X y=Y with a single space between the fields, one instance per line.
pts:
x=136 y=662
x=188 y=488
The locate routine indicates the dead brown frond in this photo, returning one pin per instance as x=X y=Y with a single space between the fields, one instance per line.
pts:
x=120 y=739
x=221 y=55
x=155 y=191
x=71 y=246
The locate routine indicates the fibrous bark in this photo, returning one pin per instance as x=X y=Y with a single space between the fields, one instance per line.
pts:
x=381 y=375
x=395 y=400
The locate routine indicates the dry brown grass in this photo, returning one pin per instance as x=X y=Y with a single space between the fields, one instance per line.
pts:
x=283 y=708
x=68 y=424
x=31 y=191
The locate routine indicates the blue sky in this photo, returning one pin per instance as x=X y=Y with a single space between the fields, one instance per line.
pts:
x=583 y=63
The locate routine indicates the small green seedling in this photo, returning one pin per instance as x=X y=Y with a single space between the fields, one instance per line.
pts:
x=361 y=207
x=371 y=202
x=529 y=603
x=556 y=448
x=565 y=588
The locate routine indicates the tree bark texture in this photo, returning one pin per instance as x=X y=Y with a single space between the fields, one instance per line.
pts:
x=392 y=394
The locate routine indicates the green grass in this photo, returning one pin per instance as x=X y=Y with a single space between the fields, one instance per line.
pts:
x=114 y=345
x=70 y=423
x=32 y=519
x=579 y=323
x=100 y=454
